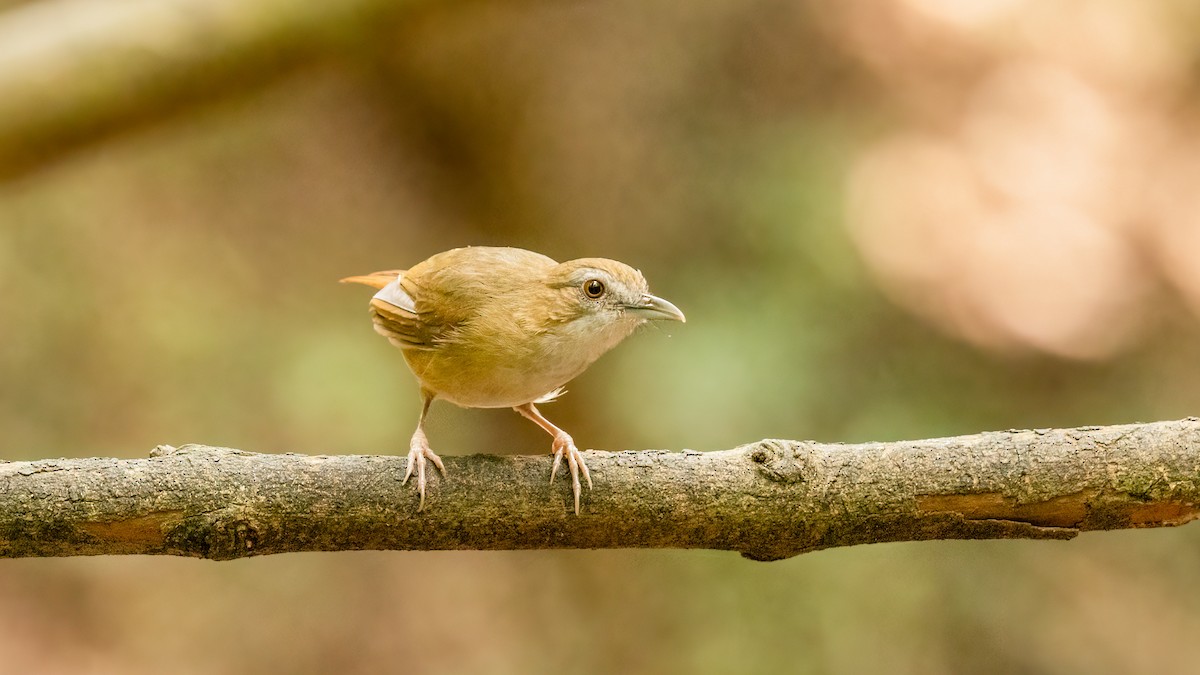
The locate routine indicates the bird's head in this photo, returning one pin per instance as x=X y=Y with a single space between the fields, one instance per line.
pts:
x=598 y=292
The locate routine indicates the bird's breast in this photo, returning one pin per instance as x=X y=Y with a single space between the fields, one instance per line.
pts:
x=510 y=368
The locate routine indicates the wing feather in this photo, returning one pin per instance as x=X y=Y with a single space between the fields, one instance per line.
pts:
x=395 y=316
x=437 y=300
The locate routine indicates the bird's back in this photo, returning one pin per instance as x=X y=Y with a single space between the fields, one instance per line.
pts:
x=457 y=286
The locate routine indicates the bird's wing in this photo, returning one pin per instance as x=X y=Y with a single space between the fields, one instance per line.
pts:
x=394 y=314
x=438 y=299
x=448 y=294
x=393 y=311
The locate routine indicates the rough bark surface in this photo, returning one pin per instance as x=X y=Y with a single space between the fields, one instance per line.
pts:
x=768 y=500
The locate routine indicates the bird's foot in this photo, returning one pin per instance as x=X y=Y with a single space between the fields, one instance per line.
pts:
x=564 y=445
x=418 y=452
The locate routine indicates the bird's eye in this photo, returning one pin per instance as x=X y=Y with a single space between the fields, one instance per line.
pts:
x=593 y=288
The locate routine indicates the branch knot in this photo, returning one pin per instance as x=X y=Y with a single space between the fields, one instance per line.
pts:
x=787 y=462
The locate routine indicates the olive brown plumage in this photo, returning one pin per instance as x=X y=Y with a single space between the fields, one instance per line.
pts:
x=486 y=327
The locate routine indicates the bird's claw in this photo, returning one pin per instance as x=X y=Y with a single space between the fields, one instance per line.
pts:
x=565 y=445
x=418 y=452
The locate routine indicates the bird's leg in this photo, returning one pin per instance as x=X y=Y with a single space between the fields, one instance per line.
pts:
x=419 y=451
x=563 y=445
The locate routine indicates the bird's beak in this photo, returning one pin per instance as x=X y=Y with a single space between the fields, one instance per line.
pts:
x=653 y=307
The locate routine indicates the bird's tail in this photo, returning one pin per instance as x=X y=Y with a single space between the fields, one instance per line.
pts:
x=374 y=279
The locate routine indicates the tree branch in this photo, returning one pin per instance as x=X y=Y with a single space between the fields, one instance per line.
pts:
x=74 y=71
x=768 y=500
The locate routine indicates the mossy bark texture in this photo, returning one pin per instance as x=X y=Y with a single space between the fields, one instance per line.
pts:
x=768 y=500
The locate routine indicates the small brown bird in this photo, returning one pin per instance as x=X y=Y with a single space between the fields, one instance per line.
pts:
x=486 y=327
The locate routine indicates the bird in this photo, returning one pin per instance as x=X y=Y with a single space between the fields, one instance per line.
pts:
x=501 y=327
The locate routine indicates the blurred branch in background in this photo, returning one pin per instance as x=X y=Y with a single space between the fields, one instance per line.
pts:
x=768 y=500
x=73 y=71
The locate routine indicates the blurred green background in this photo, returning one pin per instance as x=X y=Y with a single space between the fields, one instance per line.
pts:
x=884 y=220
